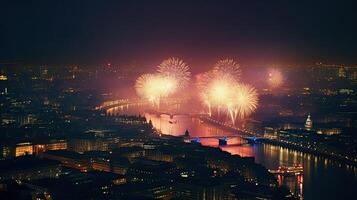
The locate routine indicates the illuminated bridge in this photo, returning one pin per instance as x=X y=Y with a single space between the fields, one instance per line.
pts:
x=228 y=127
x=121 y=102
x=222 y=140
x=171 y=102
x=125 y=102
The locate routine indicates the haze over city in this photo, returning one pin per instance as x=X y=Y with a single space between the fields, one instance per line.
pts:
x=178 y=100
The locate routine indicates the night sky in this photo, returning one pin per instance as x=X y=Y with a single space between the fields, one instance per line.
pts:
x=145 y=32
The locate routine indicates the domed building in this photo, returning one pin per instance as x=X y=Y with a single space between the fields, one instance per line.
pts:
x=308 y=124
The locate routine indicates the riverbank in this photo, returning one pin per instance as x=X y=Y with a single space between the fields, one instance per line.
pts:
x=307 y=150
x=318 y=175
x=280 y=143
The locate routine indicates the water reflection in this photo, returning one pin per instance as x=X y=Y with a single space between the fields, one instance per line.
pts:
x=295 y=183
x=322 y=178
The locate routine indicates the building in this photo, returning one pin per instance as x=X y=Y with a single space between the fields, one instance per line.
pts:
x=270 y=132
x=308 y=124
x=141 y=190
x=69 y=159
x=29 y=168
x=81 y=145
x=23 y=149
x=50 y=146
x=206 y=190
x=101 y=164
x=119 y=165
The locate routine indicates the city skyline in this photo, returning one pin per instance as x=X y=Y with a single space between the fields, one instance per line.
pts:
x=175 y=99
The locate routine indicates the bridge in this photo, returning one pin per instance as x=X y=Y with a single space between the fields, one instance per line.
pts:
x=223 y=140
x=228 y=127
x=245 y=134
x=248 y=135
x=121 y=102
x=124 y=102
x=171 y=114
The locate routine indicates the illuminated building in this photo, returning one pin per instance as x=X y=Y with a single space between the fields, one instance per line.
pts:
x=19 y=119
x=287 y=126
x=346 y=91
x=23 y=149
x=7 y=152
x=270 y=133
x=130 y=120
x=101 y=165
x=29 y=167
x=308 y=124
x=342 y=72
x=163 y=191
x=325 y=72
x=130 y=144
x=158 y=156
x=149 y=170
x=329 y=131
x=286 y=113
x=129 y=152
x=7 y=118
x=120 y=180
x=149 y=145
x=193 y=191
x=69 y=159
x=52 y=145
x=83 y=145
x=38 y=148
x=56 y=145
x=26 y=119
x=3 y=77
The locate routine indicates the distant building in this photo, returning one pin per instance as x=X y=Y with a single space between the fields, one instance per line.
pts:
x=142 y=190
x=186 y=137
x=69 y=159
x=51 y=145
x=270 y=133
x=29 y=167
x=129 y=152
x=308 y=124
x=81 y=145
x=202 y=191
x=101 y=165
x=329 y=131
x=23 y=149
x=342 y=72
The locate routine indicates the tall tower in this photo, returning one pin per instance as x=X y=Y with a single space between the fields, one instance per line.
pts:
x=308 y=124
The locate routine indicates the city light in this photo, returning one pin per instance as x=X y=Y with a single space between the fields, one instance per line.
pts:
x=178 y=100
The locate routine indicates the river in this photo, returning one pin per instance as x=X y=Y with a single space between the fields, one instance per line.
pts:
x=322 y=178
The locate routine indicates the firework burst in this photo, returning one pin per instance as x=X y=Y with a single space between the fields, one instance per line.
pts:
x=275 y=78
x=176 y=69
x=228 y=67
x=219 y=89
x=243 y=102
x=153 y=87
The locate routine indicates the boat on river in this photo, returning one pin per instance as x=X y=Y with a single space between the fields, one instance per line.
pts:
x=294 y=170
